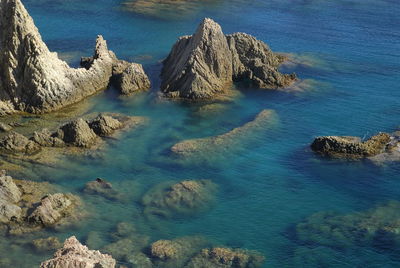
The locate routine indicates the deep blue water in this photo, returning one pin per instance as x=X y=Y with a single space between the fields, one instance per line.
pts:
x=268 y=185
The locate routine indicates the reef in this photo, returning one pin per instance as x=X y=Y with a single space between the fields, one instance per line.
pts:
x=205 y=64
x=378 y=228
x=354 y=147
x=74 y=254
x=226 y=140
x=34 y=79
x=185 y=197
x=24 y=208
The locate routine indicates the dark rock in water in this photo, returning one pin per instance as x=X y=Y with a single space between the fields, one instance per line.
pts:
x=103 y=188
x=185 y=197
x=378 y=227
x=52 y=209
x=15 y=143
x=74 y=254
x=78 y=133
x=130 y=77
x=198 y=66
x=4 y=127
x=351 y=147
x=205 y=64
x=253 y=60
x=226 y=258
x=105 y=125
x=46 y=244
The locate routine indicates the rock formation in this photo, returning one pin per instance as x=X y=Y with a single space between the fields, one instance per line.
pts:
x=352 y=147
x=223 y=141
x=33 y=78
x=74 y=254
x=130 y=77
x=206 y=63
x=184 y=197
x=10 y=195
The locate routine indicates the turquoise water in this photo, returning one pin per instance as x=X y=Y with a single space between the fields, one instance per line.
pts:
x=267 y=185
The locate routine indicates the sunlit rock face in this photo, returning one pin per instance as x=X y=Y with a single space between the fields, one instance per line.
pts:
x=205 y=64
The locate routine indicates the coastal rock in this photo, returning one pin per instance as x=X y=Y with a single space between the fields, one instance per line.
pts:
x=205 y=64
x=9 y=211
x=103 y=188
x=9 y=191
x=52 y=209
x=4 y=127
x=46 y=244
x=105 y=125
x=226 y=140
x=78 y=133
x=130 y=77
x=15 y=143
x=74 y=254
x=198 y=66
x=351 y=147
x=47 y=139
x=226 y=258
x=184 y=197
x=378 y=227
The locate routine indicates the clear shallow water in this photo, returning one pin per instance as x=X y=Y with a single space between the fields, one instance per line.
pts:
x=268 y=185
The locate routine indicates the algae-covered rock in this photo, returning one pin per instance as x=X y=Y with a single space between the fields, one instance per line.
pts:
x=46 y=244
x=15 y=143
x=351 y=147
x=185 y=197
x=103 y=188
x=74 y=254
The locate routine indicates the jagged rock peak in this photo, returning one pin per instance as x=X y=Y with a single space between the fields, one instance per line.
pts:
x=206 y=63
x=74 y=254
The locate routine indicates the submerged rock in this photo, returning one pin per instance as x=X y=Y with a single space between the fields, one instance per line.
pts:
x=103 y=188
x=74 y=254
x=205 y=64
x=46 y=244
x=378 y=227
x=226 y=140
x=351 y=147
x=130 y=77
x=226 y=258
x=33 y=78
x=185 y=197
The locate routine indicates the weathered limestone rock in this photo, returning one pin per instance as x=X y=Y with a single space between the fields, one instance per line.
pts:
x=9 y=196
x=105 y=125
x=46 y=244
x=74 y=254
x=226 y=140
x=78 y=133
x=198 y=66
x=47 y=139
x=15 y=143
x=184 y=197
x=351 y=147
x=226 y=258
x=130 y=77
x=52 y=209
x=205 y=64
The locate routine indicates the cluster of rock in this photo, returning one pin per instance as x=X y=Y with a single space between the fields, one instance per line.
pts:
x=354 y=147
x=182 y=198
x=206 y=63
x=35 y=80
x=77 y=133
x=378 y=227
x=22 y=214
x=226 y=140
x=185 y=252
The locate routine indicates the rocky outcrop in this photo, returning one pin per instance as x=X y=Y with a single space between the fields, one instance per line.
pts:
x=77 y=133
x=226 y=140
x=15 y=143
x=10 y=195
x=52 y=208
x=184 y=197
x=205 y=64
x=130 y=77
x=351 y=147
x=33 y=78
x=105 y=125
x=74 y=254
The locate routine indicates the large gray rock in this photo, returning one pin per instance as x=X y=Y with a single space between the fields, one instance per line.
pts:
x=78 y=133
x=206 y=63
x=74 y=254
x=9 y=196
x=33 y=79
x=198 y=66
x=15 y=143
x=130 y=77
x=104 y=125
